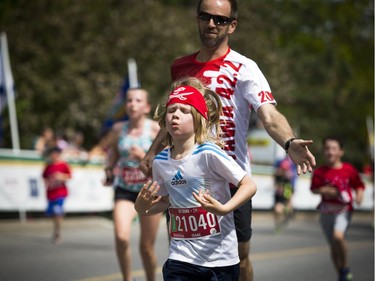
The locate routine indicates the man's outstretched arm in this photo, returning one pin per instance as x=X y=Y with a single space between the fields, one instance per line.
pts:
x=278 y=128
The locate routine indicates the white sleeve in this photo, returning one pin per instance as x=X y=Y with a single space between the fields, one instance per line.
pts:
x=157 y=177
x=225 y=167
x=254 y=86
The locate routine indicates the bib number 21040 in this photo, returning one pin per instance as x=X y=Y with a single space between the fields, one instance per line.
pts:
x=190 y=223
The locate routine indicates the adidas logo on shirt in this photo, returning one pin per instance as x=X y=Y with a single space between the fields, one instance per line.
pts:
x=178 y=179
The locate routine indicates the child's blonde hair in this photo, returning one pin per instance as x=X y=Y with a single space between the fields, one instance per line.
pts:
x=205 y=130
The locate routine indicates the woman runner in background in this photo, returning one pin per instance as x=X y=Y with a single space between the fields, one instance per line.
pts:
x=129 y=142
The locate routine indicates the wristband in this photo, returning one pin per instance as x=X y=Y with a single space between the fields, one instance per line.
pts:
x=109 y=176
x=287 y=144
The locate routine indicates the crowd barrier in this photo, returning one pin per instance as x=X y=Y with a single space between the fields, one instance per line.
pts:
x=22 y=188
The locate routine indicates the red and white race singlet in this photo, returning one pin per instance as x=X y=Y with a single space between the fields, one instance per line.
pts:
x=194 y=222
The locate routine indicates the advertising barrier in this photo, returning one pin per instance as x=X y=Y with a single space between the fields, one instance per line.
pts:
x=22 y=188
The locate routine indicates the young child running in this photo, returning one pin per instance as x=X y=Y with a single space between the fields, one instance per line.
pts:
x=192 y=175
x=334 y=181
x=55 y=175
x=285 y=176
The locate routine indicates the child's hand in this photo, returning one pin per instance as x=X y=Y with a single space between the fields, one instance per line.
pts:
x=329 y=192
x=136 y=153
x=209 y=203
x=359 y=197
x=109 y=177
x=147 y=197
x=60 y=177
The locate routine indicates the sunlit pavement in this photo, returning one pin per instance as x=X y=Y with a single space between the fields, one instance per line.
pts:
x=87 y=252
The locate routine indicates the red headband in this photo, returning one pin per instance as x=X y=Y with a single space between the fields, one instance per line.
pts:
x=191 y=96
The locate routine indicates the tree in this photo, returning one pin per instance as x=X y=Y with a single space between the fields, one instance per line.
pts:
x=69 y=59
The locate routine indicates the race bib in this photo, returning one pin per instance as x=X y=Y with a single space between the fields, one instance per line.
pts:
x=192 y=223
x=133 y=176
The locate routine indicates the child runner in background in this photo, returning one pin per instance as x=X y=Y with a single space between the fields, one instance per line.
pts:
x=335 y=181
x=285 y=176
x=193 y=175
x=55 y=175
x=129 y=141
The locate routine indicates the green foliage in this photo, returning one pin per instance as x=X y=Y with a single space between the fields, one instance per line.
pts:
x=69 y=59
x=328 y=46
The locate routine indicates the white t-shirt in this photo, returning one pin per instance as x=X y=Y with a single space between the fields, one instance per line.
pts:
x=196 y=237
x=241 y=86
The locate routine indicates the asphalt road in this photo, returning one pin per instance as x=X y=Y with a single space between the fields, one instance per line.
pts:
x=87 y=252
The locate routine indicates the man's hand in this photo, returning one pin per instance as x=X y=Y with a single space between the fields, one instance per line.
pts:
x=300 y=154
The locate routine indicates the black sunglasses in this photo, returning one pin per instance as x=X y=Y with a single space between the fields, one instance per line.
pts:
x=218 y=20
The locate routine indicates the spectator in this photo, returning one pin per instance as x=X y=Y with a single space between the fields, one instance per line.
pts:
x=45 y=141
x=61 y=140
x=75 y=151
x=99 y=152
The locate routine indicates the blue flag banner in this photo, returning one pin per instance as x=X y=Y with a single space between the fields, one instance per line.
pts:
x=3 y=98
x=117 y=111
x=3 y=94
x=7 y=94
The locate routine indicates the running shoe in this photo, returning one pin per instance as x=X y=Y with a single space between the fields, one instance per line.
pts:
x=345 y=275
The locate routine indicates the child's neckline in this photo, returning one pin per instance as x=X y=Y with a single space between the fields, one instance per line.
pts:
x=184 y=155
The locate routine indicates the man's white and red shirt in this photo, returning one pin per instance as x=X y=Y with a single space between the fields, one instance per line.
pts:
x=241 y=86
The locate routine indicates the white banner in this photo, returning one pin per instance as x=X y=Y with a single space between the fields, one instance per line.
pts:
x=303 y=198
x=22 y=188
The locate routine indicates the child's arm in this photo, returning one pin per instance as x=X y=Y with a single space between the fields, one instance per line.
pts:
x=113 y=154
x=246 y=190
x=47 y=182
x=148 y=203
x=327 y=191
x=62 y=177
x=359 y=195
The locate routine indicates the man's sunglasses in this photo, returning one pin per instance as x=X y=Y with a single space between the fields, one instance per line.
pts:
x=218 y=20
